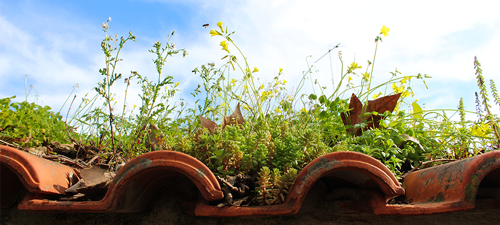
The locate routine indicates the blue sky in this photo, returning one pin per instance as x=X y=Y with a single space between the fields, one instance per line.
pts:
x=57 y=43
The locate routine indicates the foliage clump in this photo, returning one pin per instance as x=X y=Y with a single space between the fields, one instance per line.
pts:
x=276 y=132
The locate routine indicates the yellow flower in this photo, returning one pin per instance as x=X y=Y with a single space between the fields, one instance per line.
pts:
x=233 y=82
x=255 y=70
x=278 y=110
x=397 y=89
x=480 y=130
x=246 y=88
x=281 y=71
x=176 y=84
x=220 y=25
x=225 y=46
x=261 y=87
x=135 y=106
x=247 y=70
x=384 y=31
x=349 y=78
x=284 y=81
x=354 y=66
x=375 y=96
x=304 y=110
x=214 y=32
x=366 y=76
x=403 y=81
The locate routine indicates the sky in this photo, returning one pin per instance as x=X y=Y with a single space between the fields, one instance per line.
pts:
x=55 y=44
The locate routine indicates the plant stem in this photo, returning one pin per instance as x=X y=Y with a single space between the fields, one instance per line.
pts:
x=371 y=73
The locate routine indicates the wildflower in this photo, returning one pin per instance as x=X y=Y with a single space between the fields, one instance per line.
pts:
x=354 y=66
x=366 y=76
x=233 y=82
x=384 y=31
x=225 y=46
x=403 y=81
x=278 y=110
x=220 y=25
x=281 y=71
x=135 y=106
x=261 y=87
x=349 y=78
x=396 y=88
x=304 y=110
x=246 y=88
x=247 y=70
x=176 y=84
x=480 y=130
x=284 y=81
x=255 y=70
x=214 y=32
x=105 y=26
x=375 y=96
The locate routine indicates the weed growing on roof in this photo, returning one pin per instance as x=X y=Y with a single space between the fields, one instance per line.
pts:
x=273 y=135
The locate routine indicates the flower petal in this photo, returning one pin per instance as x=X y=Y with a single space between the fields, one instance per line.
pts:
x=214 y=32
x=384 y=31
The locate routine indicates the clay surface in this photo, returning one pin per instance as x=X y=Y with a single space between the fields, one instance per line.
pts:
x=165 y=208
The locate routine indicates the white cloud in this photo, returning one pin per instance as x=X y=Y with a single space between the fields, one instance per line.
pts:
x=432 y=37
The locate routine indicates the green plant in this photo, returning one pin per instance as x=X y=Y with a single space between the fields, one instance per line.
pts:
x=274 y=135
x=29 y=124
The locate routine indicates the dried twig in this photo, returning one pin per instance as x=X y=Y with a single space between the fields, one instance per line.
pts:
x=65 y=159
x=220 y=179
x=13 y=145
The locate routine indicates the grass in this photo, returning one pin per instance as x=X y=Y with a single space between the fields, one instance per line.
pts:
x=282 y=130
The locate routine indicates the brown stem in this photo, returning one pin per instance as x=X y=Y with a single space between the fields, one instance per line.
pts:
x=64 y=159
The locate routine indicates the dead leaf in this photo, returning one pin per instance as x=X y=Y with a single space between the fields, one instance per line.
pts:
x=235 y=118
x=354 y=116
x=94 y=181
x=209 y=124
x=407 y=137
x=62 y=148
x=93 y=176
